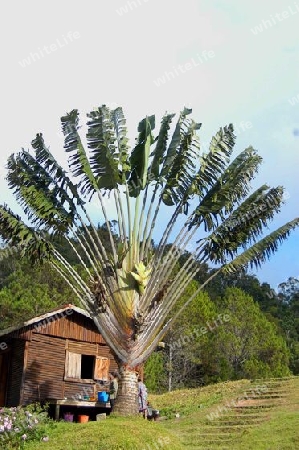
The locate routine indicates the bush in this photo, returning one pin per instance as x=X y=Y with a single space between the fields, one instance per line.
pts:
x=22 y=424
x=155 y=373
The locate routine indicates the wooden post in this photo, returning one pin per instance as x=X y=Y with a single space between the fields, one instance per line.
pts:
x=25 y=361
x=57 y=411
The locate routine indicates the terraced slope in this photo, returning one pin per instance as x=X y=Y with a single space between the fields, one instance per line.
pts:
x=245 y=420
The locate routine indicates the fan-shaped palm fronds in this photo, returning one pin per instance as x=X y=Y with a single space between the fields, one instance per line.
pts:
x=162 y=182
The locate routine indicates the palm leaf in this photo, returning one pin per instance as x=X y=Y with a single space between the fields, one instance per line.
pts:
x=139 y=159
x=215 y=161
x=58 y=175
x=101 y=139
x=262 y=250
x=174 y=143
x=161 y=146
x=179 y=178
x=78 y=160
x=38 y=194
x=229 y=189
x=119 y=123
x=24 y=238
x=244 y=226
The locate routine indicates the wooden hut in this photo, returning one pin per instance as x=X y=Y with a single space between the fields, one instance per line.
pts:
x=59 y=357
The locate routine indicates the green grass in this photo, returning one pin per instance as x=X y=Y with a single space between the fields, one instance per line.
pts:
x=281 y=432
x=192 y=430
x=114 y=433
x=190 y=401
x=277 y=431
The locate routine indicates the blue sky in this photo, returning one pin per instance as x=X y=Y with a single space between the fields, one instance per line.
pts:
x=230 y=61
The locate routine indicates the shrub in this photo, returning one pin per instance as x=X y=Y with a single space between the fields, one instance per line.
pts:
x=22 y=424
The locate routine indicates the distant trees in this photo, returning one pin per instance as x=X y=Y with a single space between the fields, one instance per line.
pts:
x=29 y=291
x=288 y=298
x=229 y=338
x=249 y=345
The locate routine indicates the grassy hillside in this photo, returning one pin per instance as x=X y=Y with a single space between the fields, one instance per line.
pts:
x=258 y=415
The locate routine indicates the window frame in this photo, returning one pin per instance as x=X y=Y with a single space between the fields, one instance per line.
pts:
x=69 y=368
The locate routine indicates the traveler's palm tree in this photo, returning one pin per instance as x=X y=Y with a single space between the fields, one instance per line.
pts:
x=163 y=181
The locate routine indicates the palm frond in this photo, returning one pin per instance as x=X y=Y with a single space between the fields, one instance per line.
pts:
x=78 y=160
x=174 y=143
x=139 y=159
x=104 y=158
x=24 y=238
x=244 y=226
x=180 y=176
x=38 y=193
x=262 y=250
x=160 y=147
x=57 y=173
x=215 y=161
x=229 y=189
x=119 y=123
x=13 y=230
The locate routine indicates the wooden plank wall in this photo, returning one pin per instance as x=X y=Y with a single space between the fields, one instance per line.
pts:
x=73 y=326
x=45 y=368
x=15 y=372
x=72 y=390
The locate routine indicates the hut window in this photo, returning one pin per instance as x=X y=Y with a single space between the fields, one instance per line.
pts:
x=73 y=365
x=101 y=368
x=87 y=366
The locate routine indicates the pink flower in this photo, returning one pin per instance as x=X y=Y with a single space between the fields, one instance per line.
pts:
x=24 y=436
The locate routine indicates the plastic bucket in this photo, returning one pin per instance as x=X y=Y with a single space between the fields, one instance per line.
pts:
x=83 y=419
x=68 y=417
x=103 y=396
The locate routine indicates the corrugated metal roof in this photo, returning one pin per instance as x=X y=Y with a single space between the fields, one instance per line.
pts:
x=45 y=316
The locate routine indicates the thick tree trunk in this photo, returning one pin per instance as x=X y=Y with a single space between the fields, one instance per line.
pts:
x=126 y=403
